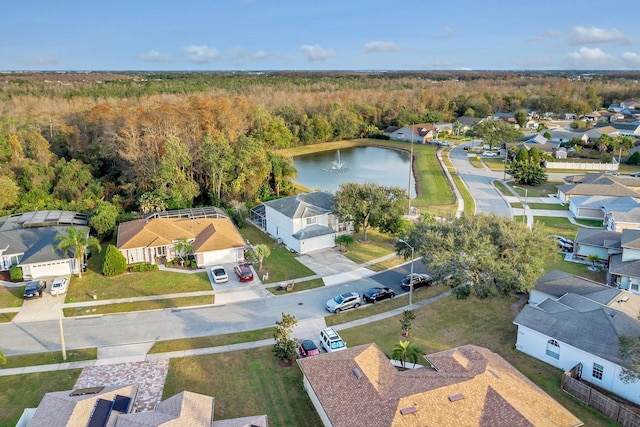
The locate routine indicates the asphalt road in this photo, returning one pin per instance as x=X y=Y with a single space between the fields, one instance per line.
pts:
x=151 y=326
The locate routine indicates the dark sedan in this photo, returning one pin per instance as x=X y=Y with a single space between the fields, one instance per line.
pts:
x=34 y=289
x=374 y=295
x=419 y=280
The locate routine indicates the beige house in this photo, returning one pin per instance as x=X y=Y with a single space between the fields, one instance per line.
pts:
x=466 y=386
x=215 y=238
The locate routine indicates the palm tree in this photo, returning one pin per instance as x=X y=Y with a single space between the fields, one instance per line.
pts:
x=77 y=240
x=593 y=258
x=405 y=351
x=183 y=248
x=262 y=251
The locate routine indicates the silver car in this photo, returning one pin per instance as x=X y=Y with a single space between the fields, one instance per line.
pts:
x=343 y=302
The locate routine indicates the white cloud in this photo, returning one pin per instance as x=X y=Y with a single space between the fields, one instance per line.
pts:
x=201 y=54
x=583 y=35
x=317 y=52
x=241 y=56
x=631 y=60
x=155 y=56
x=590 y=58
x=380 y=46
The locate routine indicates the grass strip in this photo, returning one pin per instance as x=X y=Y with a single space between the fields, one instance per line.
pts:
x=140 y=306
x=298 y=287
x=11 y=297
x=49 y=358
x=7 y=317
x=211 y=341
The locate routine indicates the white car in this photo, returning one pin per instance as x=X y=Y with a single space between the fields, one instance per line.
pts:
x=331 y=341
x=489 y=154
x=59 y=285
x=219 y=274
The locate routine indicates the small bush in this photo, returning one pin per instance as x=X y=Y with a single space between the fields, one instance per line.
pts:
x=462 y=291
x=634 y=159
x=15 y=273
x=143 y=266
x=114 y=262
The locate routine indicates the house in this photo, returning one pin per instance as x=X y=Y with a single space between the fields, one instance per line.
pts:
x=534 y=140
x=592 y=241
x=597 y=184
x=624 y=268
x=420 y=133
x=302 y=222
x=214 y=237
x=567 y=324
x=28 y=240
x=619 y=220
x=465 y=386
x=115 y=406
x=597 y=207
x=621 y=127
x=563 y=135
x=464 y=123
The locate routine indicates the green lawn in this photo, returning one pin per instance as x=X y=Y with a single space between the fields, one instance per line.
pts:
x=576 y=269
x=244 y=383
x=11 y=297
x=559 y=226
x=49 y=358
x=549 y=206
x=18 y=392
x=211 y=341
x=380 y=245
x=125 y=307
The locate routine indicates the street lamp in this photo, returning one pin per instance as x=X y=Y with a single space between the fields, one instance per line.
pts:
x=410 y=275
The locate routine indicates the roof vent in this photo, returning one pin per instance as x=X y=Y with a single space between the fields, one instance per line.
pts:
x=357 y=373
x=456 y=397
x=88 y=390
x=409 y=410
x=496 y=376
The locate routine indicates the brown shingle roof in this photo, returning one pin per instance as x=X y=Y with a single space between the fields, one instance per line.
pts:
x=209 y=233
x=493 y=392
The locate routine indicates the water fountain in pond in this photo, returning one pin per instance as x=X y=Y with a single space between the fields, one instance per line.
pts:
x=338 y=165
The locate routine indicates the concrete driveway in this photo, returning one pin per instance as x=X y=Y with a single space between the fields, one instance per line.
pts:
x=333 y=267
x=38 y=309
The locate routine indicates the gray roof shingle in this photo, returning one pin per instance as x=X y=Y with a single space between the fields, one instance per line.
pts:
x=303 y=205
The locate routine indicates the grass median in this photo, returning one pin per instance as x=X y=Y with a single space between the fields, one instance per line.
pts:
x=211 y=341
x=49 y=358
x=140 y=306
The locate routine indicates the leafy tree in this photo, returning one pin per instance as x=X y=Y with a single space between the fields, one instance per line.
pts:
x=262 y=251
x=527 y=172
x=523 y=155
x=630 y=353
x=406 y=322
x=114 y=262
x=622 y=143
x=495 y=132
x=634 y=159
x=151 y=202
x=285 y=347
x=10 y=192
x=406 y=351
x=174 y=182
x=534 y=155
x=183 y=248
x=344 y=240
x=215 y=165
x=103 y=218
x=369 y=205
x=521 y=117
x=495 y=254
x=78 y=241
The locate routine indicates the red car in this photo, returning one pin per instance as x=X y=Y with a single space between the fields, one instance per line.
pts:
x=308 y=348
x=244 y=272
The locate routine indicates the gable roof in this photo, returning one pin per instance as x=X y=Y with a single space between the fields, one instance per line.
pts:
x=600 y=185
x=596 y=237
x=558 y=283
x=605 y=203
x=208 y=233
x=492 y=392
x=303 y=205
x=564 y=320
x=630 y=216
x=183 y=409
x=468 y=120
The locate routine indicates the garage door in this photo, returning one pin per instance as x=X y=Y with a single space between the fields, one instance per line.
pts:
x=49 y=269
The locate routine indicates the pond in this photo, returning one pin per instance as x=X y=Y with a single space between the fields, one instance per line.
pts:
x=326 y=170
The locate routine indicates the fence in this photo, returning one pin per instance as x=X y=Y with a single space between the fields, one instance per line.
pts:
x=581 y=391
x=583 y=166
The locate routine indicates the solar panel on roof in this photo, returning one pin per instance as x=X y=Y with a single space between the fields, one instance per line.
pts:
x=121 y=403
x=101 y=413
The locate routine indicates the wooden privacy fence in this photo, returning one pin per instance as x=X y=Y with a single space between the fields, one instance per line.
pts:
x=612 y=409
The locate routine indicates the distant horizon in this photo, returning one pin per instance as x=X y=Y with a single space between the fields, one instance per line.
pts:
x=248 y=71
x=225 y=35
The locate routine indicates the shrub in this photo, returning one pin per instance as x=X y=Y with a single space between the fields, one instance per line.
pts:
x=114 y=262
x=15 y=273
x=462 y=291
x=143 y=266
x=634 y=159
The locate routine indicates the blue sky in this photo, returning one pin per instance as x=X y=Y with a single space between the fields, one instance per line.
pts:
x=204 y=35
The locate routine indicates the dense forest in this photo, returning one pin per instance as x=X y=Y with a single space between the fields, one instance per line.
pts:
x=135 y=142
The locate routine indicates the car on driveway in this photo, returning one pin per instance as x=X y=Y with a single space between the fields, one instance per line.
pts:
x=308 y=348
x=59 y=285
x=219 y=274
x=343 y=302
x=331 y=341
x=419 y=281
x=489 y=154
x=34 y=289
x=244 y=273
x=635 y=174
x=374 y=295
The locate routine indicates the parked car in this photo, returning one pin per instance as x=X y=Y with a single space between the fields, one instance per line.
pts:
x=466 y=147
x=59 y=285
x=374 y=295
x=419 y=280
x=308 y=348
x=486 y=147
x=635 y=174
x=489 y=154
x=343 y=302
x=331 y=341
x=445 y=143
x=219 y=274
x=244 y=273
x=34 y=289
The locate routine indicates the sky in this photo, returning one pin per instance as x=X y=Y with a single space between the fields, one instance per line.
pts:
x=221 y=35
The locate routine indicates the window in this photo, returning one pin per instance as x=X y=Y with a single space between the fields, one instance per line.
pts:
x=597 y=371
x=635 y=286
x=312 y=220
x=553 y=349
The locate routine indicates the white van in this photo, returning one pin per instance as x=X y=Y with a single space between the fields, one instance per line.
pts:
x=331 y=341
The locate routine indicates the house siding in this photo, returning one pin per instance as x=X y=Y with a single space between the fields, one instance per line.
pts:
x=316 y=402
x=630 y=254
x=534 y=344
x=281 y=227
